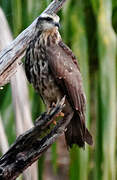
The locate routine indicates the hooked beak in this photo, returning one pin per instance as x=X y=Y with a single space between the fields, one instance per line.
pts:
x=57 y=24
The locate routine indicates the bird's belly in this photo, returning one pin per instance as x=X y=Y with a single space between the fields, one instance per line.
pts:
x=50 y=92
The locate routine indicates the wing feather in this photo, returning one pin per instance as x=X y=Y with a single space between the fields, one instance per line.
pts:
x=69 y=52
x=63 y=67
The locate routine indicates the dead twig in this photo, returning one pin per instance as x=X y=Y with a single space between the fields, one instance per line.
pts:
x=11 y=56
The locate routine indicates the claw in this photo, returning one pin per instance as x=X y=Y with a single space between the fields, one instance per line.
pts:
x=60 y=114
x=54 y=122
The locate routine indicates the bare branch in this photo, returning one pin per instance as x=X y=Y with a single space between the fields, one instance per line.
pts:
x=32 y=144
x=11 y=56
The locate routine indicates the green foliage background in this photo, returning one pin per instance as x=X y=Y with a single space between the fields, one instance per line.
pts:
x=89 y=28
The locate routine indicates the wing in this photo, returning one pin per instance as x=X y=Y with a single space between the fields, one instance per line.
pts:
x=65 y=69
x=69 y=52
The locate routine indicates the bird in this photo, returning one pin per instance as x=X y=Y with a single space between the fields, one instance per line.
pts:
x=53 y=70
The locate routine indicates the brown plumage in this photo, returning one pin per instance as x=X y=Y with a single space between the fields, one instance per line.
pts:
x=54 y=72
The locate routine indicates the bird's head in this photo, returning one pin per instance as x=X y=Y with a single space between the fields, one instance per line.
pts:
x=47 y=22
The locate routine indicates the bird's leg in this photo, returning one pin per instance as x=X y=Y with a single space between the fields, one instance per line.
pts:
x=60 y=114
x=49 y=107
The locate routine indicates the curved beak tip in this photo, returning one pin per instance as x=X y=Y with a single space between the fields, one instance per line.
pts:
x=57 y=24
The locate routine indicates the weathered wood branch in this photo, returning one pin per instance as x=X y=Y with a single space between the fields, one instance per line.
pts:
x=29 y=146
x=11 y=56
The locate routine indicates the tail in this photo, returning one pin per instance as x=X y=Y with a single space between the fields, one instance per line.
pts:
x=77 y=133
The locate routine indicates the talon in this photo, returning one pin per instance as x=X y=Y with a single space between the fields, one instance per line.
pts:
x=60 y=114
x=54 y=122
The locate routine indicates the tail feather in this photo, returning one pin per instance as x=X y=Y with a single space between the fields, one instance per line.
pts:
x=75 y=133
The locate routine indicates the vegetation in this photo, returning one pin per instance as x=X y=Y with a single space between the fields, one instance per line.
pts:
x=89 y=28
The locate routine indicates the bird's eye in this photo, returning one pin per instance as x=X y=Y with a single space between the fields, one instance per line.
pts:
x=49 y=19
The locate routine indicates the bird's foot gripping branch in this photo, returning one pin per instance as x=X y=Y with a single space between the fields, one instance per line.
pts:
x=29 y=146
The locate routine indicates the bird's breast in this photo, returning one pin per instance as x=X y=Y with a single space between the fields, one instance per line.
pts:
x=43 y=79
